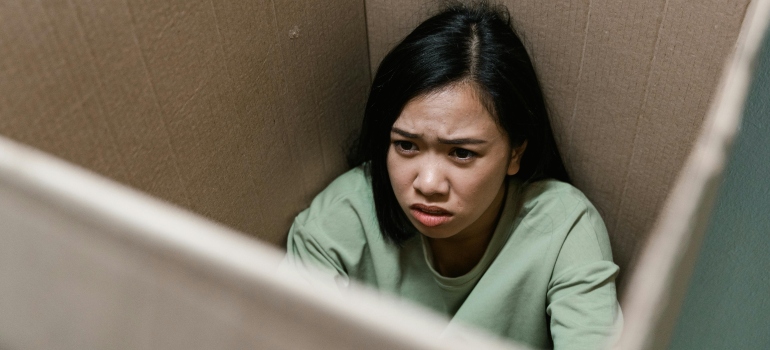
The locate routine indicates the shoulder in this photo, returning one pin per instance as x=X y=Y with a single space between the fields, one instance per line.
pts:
x=352 y=184
x=557 y=195
x=564 y=213
x=554 y=202
x=352 y=181
x=349 y=194
x=334 y=231
x=341 y=218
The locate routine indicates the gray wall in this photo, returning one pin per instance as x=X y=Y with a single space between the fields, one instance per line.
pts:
x=728 y=302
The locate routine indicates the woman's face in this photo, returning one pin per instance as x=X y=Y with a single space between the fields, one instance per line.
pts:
x=447 y=163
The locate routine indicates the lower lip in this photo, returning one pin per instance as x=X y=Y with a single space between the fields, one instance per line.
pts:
x=430 y=220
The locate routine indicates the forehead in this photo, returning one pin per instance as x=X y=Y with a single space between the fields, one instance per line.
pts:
x=453 y=111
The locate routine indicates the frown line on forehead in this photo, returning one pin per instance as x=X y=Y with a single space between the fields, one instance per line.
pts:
x=458 y=141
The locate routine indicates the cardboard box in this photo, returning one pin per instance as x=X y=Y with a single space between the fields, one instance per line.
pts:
x=87 y=263
x=627 y=84
x=239 y=111
x=242 y=112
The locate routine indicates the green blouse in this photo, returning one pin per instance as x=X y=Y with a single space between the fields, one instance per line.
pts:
x=546 y=280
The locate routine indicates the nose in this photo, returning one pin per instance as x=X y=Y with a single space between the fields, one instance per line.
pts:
x=431 y=180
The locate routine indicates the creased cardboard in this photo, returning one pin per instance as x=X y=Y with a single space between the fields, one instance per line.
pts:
x=212 y=106
x=87 y=263
x=627 y=83
x=659 y=283
x=242 y=111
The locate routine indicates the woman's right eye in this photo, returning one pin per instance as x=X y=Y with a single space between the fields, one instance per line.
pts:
x=405 y=146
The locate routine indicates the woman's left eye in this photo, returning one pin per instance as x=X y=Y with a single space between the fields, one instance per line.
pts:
x=463 y=154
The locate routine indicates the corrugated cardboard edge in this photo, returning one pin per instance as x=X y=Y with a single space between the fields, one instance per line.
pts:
x=207 y=248
x=657 y=287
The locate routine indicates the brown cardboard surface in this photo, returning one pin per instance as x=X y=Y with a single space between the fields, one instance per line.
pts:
x=87 y=263
x=237 y=110
x=659 y=283
x=628 y=85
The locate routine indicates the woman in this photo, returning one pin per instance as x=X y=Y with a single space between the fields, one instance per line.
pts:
x=458 y=199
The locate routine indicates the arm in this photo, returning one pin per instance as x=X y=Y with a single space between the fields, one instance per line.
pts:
x=304 y=252
x=582 y=302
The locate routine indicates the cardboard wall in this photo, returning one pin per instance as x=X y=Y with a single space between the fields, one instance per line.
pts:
x=727 y=303
x=76 y=78
x=241 y=111
x=87 y=263
x=657 y=287
x=237 y=110
x=627 y=83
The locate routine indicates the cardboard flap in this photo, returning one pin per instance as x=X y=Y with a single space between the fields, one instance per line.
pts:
x=660 y=278
x=87 y=263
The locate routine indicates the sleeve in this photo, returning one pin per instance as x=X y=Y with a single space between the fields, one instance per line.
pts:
x=328 y=240
x=582 y=302
x=311 y=259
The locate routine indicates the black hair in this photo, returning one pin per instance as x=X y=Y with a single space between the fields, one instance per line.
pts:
x=463 y=43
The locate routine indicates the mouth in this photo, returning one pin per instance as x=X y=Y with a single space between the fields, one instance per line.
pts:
x=430 y=216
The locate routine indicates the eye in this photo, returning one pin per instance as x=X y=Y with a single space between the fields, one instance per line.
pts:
x=405 y=146
x=463 y=154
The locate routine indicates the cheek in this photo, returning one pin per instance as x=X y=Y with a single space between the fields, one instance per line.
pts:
x=471 y=189
x=479 y=190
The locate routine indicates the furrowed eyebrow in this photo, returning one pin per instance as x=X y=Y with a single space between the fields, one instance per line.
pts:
x=466 y=141
x=462 y=141
x=404 y=133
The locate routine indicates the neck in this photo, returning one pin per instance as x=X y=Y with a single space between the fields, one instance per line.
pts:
x=457 y=255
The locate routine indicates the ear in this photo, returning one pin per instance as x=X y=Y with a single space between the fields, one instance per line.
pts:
x=515 y=163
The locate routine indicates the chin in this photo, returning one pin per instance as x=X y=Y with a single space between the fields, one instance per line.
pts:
x=435 y=232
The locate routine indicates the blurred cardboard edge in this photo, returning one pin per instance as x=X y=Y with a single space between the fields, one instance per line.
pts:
x=48 y=256
x=656 y=289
